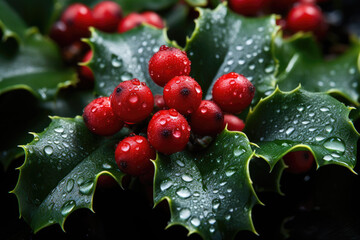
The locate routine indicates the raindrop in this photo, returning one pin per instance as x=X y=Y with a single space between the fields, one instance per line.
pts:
x=126 y=76
x=238 y=152
x=216 y=204
x=69 y=185
x=241 y=62
x=229 y=172
x=48 y=150
x=324 y=109
x=186 y=178
x=185 y=213
x=116 y=62
x=335 y=145
x=227 y=217
x=59 y=130
x=195 y=221
x=212 y=221
x=165 y=184
x=327 y=158
x=86 y=187
x=183 y=192
x=106 y=166
x=180 y=163
x=68 y=207
x=290 y=130
x=328 y=128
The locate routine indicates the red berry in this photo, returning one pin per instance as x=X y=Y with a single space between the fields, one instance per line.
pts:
x=100 y=119
x=304 y=17
x=84 y=71
x=208 y=119
x=233 y=92
x=247 y=7
x=233 y=123
x=183 y=93
x=78 y=18
x=282 y=5
x=299 y=162
x=168 y=63
x=107 y=16
x=159 y=102
x=60 y=34
x=153 y=19
x=133 y=155
x=130 y=21
x=168 y=131
x=132 y=101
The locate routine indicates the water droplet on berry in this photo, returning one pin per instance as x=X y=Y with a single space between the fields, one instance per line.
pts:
x=198 y=89
x=125 y=147
x=232 y=82
x=203 y=110
x=139 y=140
x=133 y=99
x=173 y=112
x=177 y=133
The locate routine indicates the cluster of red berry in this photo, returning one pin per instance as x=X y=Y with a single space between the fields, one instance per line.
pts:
x=180 y=110
x=299 y=15
x=105 y=16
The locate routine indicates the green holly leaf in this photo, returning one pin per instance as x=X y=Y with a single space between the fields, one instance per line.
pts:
x=68 y=103
x=37 y=67
x=225 y=42
x=197 y=3
x=339 y=77
x=121 y=57
x=298 y=120
x=209 y=192
x=61 y=169
x=11 y=25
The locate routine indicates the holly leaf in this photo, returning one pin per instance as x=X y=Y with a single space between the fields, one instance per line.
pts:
x=225 y=42
x=340 y=77
x=24 y=105
x=37 y=67
x=209 y=192
x=197 y=3
x=11 y=25
x=301 y=120
x=121 y=57
x=61 y=169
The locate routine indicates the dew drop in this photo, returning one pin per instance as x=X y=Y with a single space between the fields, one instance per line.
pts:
x=86 y=187
x=68 y=207
x=165 y=184
x=238 y=152
x=106 y=166
x=69 y=185
x=133 y=99
x=125 y=147
x=229 y=172
x=324 y=109
x=126 y=76
x=327 y=158
x=187 y=178
x=177 y=133
x=59 y=130
x=335 y=144
x=195 y=221
x=183 y=192
x=48 y=150
x=289 y=131
x=215 y=204
x=328 y=128
x=185 y=213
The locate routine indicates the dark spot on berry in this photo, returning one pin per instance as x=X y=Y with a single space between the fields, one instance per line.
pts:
x=69 y=22
x=185 y=91
x=165 y=133
x=219 y=116
x=306 y=155
x=123 y=164
x=251 y=88
x=118 y=90
x=86 y=119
